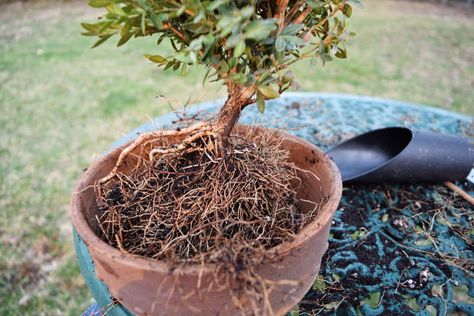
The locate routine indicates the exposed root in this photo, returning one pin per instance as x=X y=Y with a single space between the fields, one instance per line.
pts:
x=147 y=137
x=197 y=202
x=187 y=146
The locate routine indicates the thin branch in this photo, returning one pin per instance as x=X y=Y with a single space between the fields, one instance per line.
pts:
x=293 y=11
x=303 y=15
x=168 y=26
x=336 y=9
x=280 y=14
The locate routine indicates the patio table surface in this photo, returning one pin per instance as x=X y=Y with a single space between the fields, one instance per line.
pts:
x=393 y=249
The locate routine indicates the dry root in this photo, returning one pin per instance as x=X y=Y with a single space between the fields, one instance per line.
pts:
x=200 y=203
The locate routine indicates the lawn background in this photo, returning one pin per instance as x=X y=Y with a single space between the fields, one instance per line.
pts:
x=61 y=104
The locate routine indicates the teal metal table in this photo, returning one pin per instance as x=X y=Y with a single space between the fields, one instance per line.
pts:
x=394 y=250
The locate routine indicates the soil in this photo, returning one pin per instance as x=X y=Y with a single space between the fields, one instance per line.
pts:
x=411 y=205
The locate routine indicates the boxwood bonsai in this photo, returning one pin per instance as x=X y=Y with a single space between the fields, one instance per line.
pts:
x=210 y=197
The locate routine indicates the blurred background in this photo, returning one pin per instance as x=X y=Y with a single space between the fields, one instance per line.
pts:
x=62 y=104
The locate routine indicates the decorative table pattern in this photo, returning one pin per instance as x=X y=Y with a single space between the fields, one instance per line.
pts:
x=394 y=249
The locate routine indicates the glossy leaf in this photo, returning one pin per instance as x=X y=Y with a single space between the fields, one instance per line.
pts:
x=341 y=53
x=259 y=30
x=101 y=40
x=239 y=49
x=115 y=9
x=157 y=59
x=268 y=92
x=280 y=44
x=347 y=10
x=124 y=39
x=319 y=284
x=156 y=21
x=373 y=300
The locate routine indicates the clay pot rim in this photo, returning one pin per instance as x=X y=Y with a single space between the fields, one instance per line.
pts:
x=136 y=261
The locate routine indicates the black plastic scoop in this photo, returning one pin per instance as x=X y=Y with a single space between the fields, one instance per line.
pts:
x=399 y=154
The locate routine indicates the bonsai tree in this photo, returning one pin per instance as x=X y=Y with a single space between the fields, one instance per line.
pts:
x=247 y=45
x=198 y=195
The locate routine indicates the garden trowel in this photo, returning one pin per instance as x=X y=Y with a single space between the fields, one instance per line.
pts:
x=400 y=154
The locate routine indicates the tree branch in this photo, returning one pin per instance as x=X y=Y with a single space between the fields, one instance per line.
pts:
x=280 y=14
x=293 y=11
x=168 y=26
x=302 y=16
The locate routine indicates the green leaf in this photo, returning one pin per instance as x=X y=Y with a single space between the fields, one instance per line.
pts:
x=423 y=242
x=358 y=234
x=239 y=49
x=124 y=39
x=169 y=65
x=142 y=24
x=115 y=9
x=156 y=21
x=268 y=92
x=208 y=43
x=125 y=29
x=319 y=284
x=184 y=69
x=373 y=300
x=315 y=4
x=432 y=311
x=295 y=40
x=101 y=40
x=259 y=29
x=260 y=102
x=292 y=29
x=234 y=39
x=99 y=3
x=331 y=305
x=280 y=44
x=412 y=303
x=347 y=10
x=92 y=28
x=341 y=53
x=157 y=59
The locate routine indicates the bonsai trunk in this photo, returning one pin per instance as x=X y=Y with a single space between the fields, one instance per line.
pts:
x=238 y=98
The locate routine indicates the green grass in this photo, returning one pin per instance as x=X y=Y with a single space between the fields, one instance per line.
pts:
x=61 y=104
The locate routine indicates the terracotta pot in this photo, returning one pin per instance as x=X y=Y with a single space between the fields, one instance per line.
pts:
x=150 y=287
